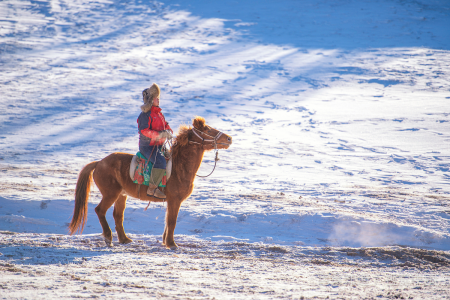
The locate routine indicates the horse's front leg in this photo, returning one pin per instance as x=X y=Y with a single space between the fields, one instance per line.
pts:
x=173 y=208
x=119 y=209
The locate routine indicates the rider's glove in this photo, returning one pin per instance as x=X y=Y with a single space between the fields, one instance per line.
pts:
x=165 y=134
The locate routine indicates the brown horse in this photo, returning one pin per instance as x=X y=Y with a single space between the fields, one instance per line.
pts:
x=112 y=177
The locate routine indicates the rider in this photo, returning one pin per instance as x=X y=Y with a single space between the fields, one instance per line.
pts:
x=153 y=132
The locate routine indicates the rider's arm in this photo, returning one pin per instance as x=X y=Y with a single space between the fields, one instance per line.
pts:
x=144 y=123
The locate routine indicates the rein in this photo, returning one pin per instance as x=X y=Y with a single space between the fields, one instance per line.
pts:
x=215 y=163
x=213 y=141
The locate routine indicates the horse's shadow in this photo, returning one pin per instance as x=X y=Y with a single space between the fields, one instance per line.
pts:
x=55 y=249
x=35 y=255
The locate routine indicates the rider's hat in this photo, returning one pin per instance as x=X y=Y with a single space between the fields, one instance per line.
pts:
x=150 y=93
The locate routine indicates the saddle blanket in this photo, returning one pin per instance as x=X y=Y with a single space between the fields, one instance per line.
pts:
x=140 y=170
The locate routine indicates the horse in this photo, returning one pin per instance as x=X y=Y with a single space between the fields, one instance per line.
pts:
x=112 y=177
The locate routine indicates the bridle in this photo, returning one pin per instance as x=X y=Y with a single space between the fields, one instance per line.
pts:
x=212 y=140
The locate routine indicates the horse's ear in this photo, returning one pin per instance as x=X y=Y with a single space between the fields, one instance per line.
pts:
x=199 y=123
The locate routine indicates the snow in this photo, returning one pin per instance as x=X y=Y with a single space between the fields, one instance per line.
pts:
x=337 y=182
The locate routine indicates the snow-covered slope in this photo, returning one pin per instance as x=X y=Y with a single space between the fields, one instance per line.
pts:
x=339 y=113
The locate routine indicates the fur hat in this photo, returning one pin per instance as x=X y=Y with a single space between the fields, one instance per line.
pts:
x=148 y=95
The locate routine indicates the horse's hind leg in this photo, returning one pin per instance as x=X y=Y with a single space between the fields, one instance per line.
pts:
x=101 y=209
x=119 y=208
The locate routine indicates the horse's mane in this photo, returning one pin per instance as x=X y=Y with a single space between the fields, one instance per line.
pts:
x=184 y=132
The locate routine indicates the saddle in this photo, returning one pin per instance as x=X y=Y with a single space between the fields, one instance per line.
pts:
x=140 y=170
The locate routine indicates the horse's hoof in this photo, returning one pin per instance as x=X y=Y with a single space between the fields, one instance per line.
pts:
x=108 y=242
x=126 y=241
x=174 y=247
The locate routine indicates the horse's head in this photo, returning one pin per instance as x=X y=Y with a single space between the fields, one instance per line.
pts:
x=209 y=137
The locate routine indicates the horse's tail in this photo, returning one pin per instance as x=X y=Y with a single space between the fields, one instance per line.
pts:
x=81 y=198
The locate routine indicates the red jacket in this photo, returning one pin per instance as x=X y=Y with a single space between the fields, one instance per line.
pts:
x=150 y=124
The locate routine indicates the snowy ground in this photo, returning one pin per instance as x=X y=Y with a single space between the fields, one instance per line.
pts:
x=337 y=182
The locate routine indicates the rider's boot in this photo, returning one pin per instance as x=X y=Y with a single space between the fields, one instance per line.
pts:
x=153 y=191
x=155 y=178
